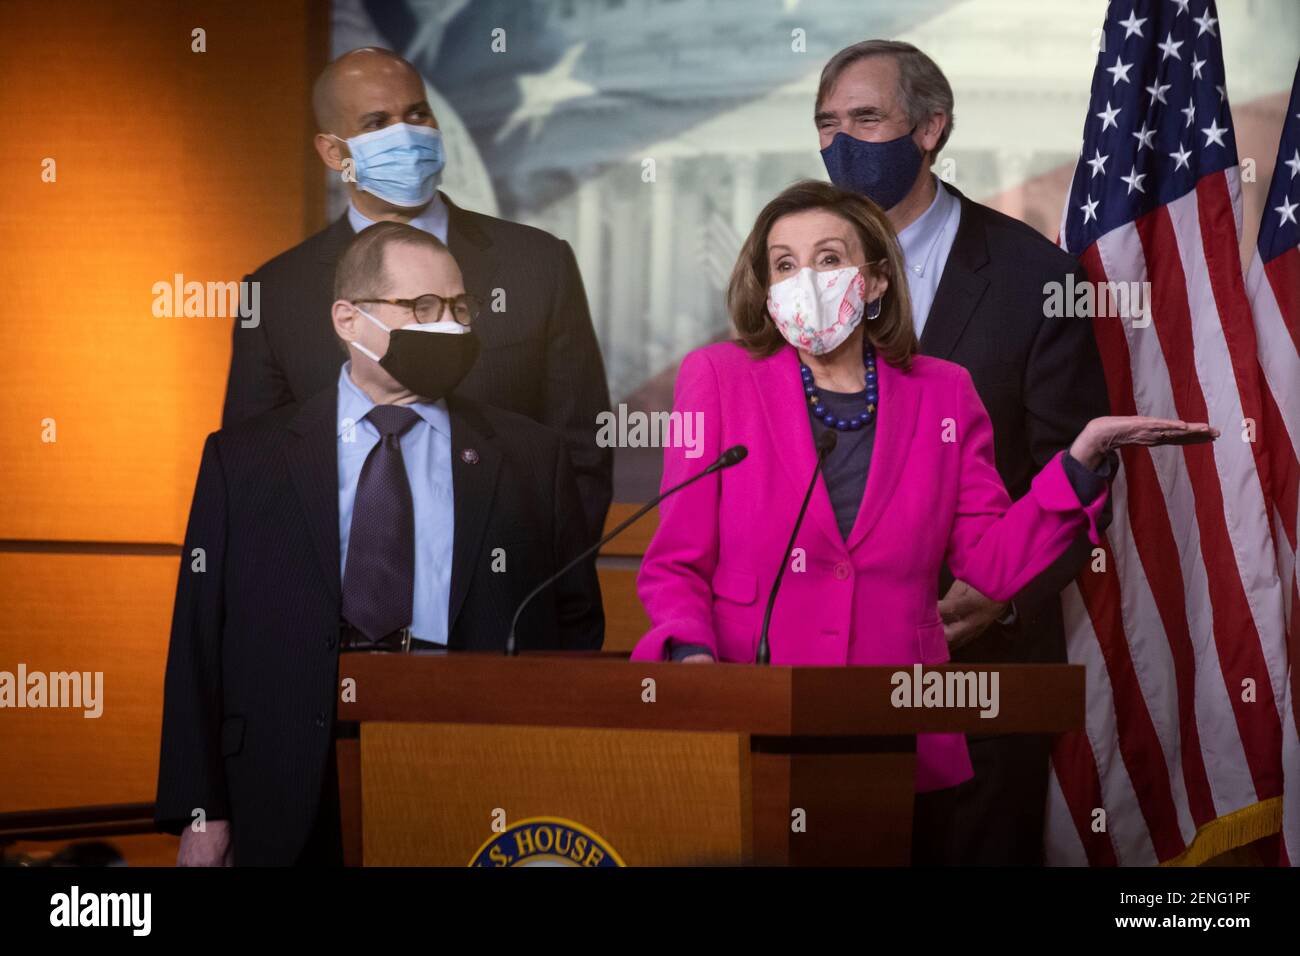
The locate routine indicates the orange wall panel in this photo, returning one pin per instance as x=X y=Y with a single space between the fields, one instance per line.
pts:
x=85 y=612
x=167 y=161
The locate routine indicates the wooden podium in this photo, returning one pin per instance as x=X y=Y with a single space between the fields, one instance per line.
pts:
x=669 y=764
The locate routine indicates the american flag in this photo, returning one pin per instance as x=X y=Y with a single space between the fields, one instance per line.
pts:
x=1273 y=284
x=1181 y=621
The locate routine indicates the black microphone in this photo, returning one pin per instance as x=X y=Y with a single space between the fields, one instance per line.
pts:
x=825 y=445
x=732 y=456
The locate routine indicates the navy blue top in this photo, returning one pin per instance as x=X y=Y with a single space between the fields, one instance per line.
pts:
x=845 y=471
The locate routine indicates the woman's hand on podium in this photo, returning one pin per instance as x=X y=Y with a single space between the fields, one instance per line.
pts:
x=209 y=848
x=697 y=659
x=1114 y=431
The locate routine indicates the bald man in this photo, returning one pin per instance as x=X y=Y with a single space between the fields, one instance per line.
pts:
x=539 y=355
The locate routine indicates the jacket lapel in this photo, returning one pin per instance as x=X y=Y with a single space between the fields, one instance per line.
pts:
x=780 y=392
x=471 y=248
x=475 y=463
x=895 y=426
x=961 y=286
x=312 y=454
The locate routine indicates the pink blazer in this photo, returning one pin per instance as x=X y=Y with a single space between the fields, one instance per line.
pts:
x=932 y=493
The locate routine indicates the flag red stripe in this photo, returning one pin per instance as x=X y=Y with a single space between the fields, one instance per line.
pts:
x=1235 y=635
x=1273 y=447
x=1283 y=467
x=1157 y=551
x=1138 y=741
x=1074 y=761
x=1223 y=265
x=1283 y=274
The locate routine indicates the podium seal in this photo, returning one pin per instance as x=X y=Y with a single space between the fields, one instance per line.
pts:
x=546 y=841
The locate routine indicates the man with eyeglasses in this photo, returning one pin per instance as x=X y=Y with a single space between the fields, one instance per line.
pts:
x=378 y=133
x=389 y=511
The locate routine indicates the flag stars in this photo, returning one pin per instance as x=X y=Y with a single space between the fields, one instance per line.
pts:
x=1098 y=164
x=1287 y=212
x=1181 y=158
x=1223 y=92
x=1089 y=210
x=1157 y=91
x=1190 y=112
x=1107 y=117
x=1293 y=164
x=1182 y=7
x=1170 y=47
x=1134 y=180
x=1196 y=67
x=1206 y=23
x=1214 y=133
x=1119 y=71
x=1132 y=25
x=1144 y=137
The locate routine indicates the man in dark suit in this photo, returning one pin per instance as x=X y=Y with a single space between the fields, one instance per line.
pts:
x=386 y=509
x=540 y=354
x=979 y=281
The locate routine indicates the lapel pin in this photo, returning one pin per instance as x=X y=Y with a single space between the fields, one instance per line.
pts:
x=469 y=456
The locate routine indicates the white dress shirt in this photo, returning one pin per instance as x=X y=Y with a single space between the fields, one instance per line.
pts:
x=432 y=220
x=926 y=244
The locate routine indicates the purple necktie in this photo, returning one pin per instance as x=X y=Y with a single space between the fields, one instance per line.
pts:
x=379 y=577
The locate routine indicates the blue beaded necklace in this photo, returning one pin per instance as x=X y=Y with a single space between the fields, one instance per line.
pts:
x=825 y=416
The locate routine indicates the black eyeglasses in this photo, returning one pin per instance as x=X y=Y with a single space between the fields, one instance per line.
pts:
x=429 y=307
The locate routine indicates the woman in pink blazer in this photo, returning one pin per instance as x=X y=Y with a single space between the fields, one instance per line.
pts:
x=826 y=341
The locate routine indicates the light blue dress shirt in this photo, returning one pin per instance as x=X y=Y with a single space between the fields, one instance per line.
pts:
x=433 y=220
x=426 y=453
x=926 y=244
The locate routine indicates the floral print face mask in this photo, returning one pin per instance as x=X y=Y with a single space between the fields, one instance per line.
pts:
x=818 y=311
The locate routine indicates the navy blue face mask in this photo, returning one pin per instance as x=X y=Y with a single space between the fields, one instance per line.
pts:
x=883 y=172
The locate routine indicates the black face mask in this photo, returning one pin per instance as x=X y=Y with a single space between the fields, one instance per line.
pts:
x=430 y=364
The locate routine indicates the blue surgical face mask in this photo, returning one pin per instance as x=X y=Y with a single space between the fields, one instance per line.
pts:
x=401 y=164
x=883 y=172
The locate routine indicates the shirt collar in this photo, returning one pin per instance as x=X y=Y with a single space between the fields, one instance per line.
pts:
x=432 y=220
x=354 y=405
x=919 y=239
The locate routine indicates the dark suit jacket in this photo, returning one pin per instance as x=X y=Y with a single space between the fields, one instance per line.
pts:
x=540 y=357
x=1040 y=379
x=252 y=672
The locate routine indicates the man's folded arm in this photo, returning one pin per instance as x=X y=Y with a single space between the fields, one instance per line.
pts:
x=191 y=775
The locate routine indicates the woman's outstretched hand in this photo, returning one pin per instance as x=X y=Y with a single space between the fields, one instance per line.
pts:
x=1103 y=434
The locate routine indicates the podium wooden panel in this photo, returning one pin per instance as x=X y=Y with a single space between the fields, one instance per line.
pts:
x=671 y=764
x=448 y=780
